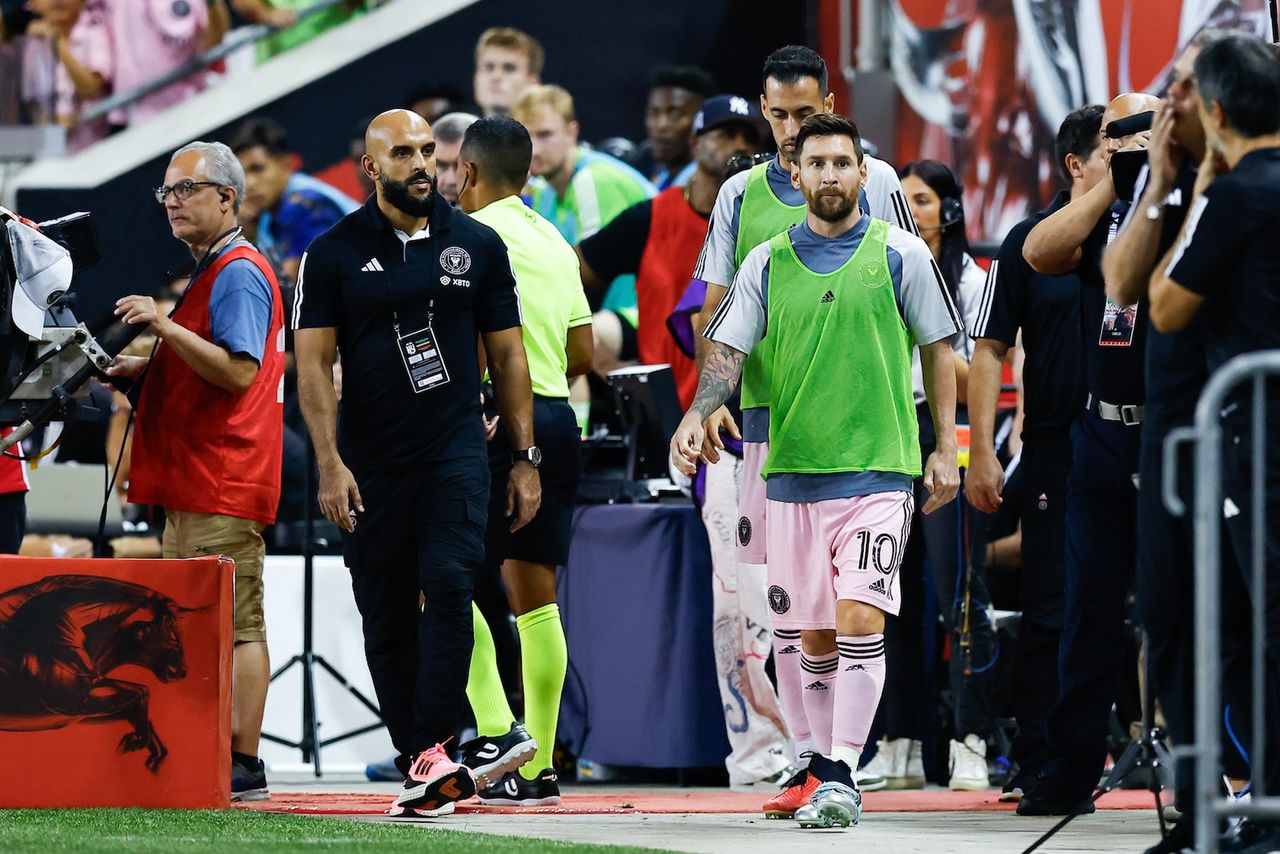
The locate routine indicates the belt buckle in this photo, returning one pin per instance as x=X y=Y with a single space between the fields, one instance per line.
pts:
x=1130 y=415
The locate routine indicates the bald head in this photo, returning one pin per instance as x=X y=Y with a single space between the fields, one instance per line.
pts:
x=1124 y=106
x=400 y=157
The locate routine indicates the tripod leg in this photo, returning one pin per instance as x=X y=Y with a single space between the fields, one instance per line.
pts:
x=310 y=726
x=342 y=680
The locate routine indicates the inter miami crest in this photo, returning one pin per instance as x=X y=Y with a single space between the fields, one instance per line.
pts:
x=779 y=601
x=455 y=260
x=744 y=531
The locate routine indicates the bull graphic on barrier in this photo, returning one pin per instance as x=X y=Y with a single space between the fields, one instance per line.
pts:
x=63 y=636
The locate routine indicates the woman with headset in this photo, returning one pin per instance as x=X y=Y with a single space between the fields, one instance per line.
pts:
x=934 y=193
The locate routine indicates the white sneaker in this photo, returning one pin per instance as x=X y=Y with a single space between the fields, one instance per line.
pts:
x=969 y=765
x=899 y=762
x=869 y=781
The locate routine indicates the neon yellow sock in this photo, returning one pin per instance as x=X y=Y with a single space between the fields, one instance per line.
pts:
x=484 y=685
x=545 y=659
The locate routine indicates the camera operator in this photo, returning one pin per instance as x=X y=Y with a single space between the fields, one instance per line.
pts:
x=208 y=441
x=1045 y=309
x=1225 y=266
x=1101 y=499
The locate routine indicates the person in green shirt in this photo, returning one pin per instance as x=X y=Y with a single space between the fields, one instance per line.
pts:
x=556 y=325
x=292 y=31
x=841 y=298
x=581 y=190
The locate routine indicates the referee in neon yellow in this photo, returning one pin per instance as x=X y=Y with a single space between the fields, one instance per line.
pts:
x=840 y=300
x=556 y=322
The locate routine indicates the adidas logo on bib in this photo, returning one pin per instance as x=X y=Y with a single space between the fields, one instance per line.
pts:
x=828 y=297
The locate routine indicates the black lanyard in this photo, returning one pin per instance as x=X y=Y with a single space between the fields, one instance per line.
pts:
x=204 y=262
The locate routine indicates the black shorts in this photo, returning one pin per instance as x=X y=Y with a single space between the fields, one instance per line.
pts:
x=546 y=538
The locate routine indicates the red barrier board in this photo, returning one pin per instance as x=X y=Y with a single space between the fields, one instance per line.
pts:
x=115 y=682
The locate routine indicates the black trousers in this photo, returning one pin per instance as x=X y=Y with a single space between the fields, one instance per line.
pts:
x=422 y=531
x=1165 y=602
x=13 y=521
x=1042 y=499
x=1101 y=556
x=1237 y=481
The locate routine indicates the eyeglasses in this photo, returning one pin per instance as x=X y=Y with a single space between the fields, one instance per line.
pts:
x=182 y=190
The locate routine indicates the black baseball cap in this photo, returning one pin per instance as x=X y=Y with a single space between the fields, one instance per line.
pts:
x=726 y=109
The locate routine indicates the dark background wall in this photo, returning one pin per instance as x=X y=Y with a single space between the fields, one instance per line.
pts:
x=602 y=52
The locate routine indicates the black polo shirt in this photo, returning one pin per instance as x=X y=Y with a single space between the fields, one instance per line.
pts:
x=1231 y=257
x=362 y=274
x=1046 y=309
x=1175 y=366
x=1115 y=336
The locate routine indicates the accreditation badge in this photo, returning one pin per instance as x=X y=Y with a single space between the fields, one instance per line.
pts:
x=423 y=360
x=1118 y=322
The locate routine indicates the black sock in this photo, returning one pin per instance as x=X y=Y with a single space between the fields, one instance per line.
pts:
x=245 y=760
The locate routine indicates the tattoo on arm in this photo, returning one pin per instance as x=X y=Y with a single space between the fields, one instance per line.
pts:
x=719 y=376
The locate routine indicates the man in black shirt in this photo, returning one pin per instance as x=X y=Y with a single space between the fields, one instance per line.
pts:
x=1045 y=309
x=402 y=289
x=1176 y=371
x=1101 y=499
x=1226 y=266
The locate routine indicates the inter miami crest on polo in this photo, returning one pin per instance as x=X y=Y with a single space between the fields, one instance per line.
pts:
x=779 y=601
x=455 y=260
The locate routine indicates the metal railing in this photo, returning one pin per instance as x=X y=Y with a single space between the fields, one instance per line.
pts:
x=1207 y=434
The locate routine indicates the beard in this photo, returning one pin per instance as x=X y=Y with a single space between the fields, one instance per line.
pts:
x=832 y=207
x=399 y=196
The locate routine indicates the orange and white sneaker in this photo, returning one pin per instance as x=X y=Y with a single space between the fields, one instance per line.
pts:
x=795 y=794
x=434 y=783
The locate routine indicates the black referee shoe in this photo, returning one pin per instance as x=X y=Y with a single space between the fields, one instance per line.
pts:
x=489 y=757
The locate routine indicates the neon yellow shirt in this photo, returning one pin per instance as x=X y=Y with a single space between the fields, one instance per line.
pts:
x=549 y=285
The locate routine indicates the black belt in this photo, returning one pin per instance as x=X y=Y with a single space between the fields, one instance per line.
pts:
x=1129 y=415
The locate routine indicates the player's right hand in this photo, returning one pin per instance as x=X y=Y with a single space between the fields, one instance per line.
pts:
x=686 y=444
x=984 y=482
x=712 y=444
x=340 y=496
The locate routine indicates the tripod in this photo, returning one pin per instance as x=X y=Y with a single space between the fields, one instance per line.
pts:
x=1148 y=752
x=310 y=742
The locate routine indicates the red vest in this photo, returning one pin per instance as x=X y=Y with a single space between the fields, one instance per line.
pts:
x=13 y=471
x=676 y=232
x=200 y=448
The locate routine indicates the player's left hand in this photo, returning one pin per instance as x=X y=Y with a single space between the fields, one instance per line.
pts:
x=941 y=479
x=524 y=494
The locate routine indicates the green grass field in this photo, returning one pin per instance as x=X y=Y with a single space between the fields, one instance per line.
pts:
x=243 y=832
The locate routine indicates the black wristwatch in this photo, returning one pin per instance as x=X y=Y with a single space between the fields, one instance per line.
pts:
x=532 y=456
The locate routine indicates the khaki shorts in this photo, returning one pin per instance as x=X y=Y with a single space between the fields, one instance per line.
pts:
x=189 y=534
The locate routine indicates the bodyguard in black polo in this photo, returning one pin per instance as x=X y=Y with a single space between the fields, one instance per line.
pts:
x=401 y=289
x=1225 y=267
x=1046 y=310
x=1101 y=493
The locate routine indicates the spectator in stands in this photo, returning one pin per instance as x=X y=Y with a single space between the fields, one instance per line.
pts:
x=283 y=16
x=507 y=62
x=658 y=240
x=283 y=210
x=581 y=191
x=449 y=130
x=66 y=64
x=151 y=38
x=207 y=440
x=676 y=94
x=434 y=102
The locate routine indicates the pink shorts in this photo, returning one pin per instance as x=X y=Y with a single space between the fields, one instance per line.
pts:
x=751 y=505
x=842 y=548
